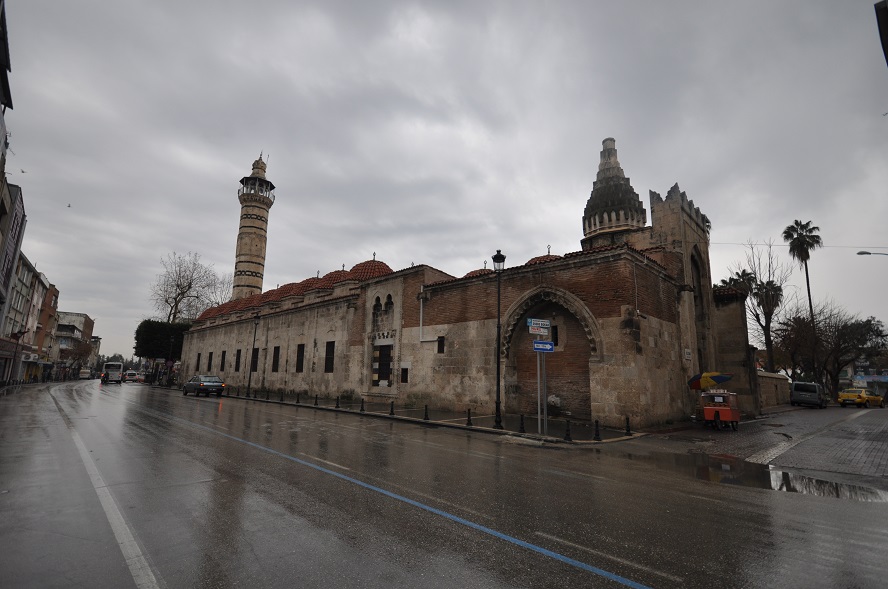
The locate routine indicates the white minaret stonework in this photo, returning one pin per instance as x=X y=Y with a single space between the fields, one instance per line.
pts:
x=256 y=196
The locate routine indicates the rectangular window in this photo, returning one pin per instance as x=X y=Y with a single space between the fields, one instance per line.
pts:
x=328 y=356
x=254 y=361
x=222 y=362
x=210 y=362
x=300 y=357
x=555 y=335
x=440 y=344
x=403 y=375
x=276 y=359
x=197 y=366
x=237 y=361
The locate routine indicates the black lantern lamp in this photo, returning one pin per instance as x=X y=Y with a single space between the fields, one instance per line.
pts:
x=499 y=260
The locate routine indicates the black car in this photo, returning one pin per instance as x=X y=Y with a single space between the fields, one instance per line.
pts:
x=204 y=384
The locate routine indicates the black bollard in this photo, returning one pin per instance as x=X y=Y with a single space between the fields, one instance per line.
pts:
x=337 y=401
x=567 y=437
x=237 y=393
x=469 y=417
x=282 y=395
x=297 y=398
x=597 y=436
x=628 y=431
x=521 y=429
x=267 y=392
x=426 y=416
x=316 y=400
x=362 y=404
x=392 y=408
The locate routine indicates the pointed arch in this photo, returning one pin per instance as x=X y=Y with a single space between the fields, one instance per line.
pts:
x=564 y=298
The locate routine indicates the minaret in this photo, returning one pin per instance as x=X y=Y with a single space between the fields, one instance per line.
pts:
x=256 y=196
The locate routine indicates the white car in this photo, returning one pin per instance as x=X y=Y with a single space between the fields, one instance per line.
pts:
x=130 y=376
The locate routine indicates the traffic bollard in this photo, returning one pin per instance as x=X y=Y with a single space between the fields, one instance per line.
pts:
x=567 y=437
x=597 y=436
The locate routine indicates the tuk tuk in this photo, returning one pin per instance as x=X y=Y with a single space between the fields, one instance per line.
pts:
x=720 y=409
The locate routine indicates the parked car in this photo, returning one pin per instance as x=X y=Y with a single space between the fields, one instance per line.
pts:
x=140 y=377
x=204 y=384
x=130 y=376
x=860 y=398
x=808 y=393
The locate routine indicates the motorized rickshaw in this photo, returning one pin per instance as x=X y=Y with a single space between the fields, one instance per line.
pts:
x=720 y=409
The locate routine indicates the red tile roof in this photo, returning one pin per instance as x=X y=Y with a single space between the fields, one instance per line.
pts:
x=360 y=272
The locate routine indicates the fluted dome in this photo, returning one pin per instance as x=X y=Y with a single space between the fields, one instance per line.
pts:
x=613 y=205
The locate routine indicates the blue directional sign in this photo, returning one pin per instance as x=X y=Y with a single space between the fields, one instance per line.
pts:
x=541 y=346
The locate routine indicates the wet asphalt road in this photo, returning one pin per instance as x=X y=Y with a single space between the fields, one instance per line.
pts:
x=125 y=485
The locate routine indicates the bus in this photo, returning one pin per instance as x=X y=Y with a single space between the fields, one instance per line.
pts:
x=112 y=372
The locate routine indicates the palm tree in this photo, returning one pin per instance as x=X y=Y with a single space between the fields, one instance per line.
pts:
x=803 y=239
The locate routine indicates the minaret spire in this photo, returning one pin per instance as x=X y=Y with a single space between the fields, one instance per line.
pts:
x=256 y=196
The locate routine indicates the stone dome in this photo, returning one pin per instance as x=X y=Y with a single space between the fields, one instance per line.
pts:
x=613 y=205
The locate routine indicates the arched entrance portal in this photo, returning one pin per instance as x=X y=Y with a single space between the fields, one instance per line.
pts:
x=575 y=334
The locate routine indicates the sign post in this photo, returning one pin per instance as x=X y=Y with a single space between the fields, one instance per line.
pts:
x=540 y=327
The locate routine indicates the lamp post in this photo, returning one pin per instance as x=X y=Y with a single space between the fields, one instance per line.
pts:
x=17 y=336
x=871 y=254
x=499 y=261
x=250 y=368
x=170 y=363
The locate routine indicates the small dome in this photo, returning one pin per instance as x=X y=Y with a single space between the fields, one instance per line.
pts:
x=331 y=278
x=478 y=272
x=541 y=259
x=369 y=270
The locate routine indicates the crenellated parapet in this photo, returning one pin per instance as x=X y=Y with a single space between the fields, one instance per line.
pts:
x=677 y=199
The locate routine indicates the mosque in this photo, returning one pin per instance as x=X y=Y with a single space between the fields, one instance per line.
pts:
x=631 y=316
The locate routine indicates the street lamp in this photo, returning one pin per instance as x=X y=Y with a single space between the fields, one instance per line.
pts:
x=499 y=261
x=250 y=369
x=17 y=336
x=170 y=363
x=871 y=254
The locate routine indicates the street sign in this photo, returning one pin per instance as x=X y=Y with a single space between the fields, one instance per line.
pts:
x=538 y=323
x=543 y=346
x=538 y=330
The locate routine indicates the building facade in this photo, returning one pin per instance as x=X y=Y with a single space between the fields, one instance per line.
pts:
x=632 y=317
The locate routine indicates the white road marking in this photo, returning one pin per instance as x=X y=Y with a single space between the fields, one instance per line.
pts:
x=608 y=556
x=138 y=565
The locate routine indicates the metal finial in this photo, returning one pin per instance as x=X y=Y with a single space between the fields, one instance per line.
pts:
x=549 y=249
x=343 y=266
x=374 y=256
x=485 y=264
x=318 y=275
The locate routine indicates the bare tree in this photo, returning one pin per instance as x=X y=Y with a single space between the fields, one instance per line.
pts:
x=183 y=290
x=762 y=278
x=221 y=290
x=843 y=338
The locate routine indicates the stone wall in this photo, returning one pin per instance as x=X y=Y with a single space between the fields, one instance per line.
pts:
x=774 y=389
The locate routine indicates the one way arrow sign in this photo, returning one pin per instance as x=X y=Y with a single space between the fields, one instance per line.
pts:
x=542 y=346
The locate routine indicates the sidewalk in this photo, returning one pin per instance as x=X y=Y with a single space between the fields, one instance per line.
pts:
x=553 y=431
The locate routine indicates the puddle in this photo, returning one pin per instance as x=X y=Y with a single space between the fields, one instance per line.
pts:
x=730 y=470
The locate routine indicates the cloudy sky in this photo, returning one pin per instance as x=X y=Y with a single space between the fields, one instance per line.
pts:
x=436 y=133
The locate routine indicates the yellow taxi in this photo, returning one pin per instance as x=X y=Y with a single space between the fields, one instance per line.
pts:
x=860 y=398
